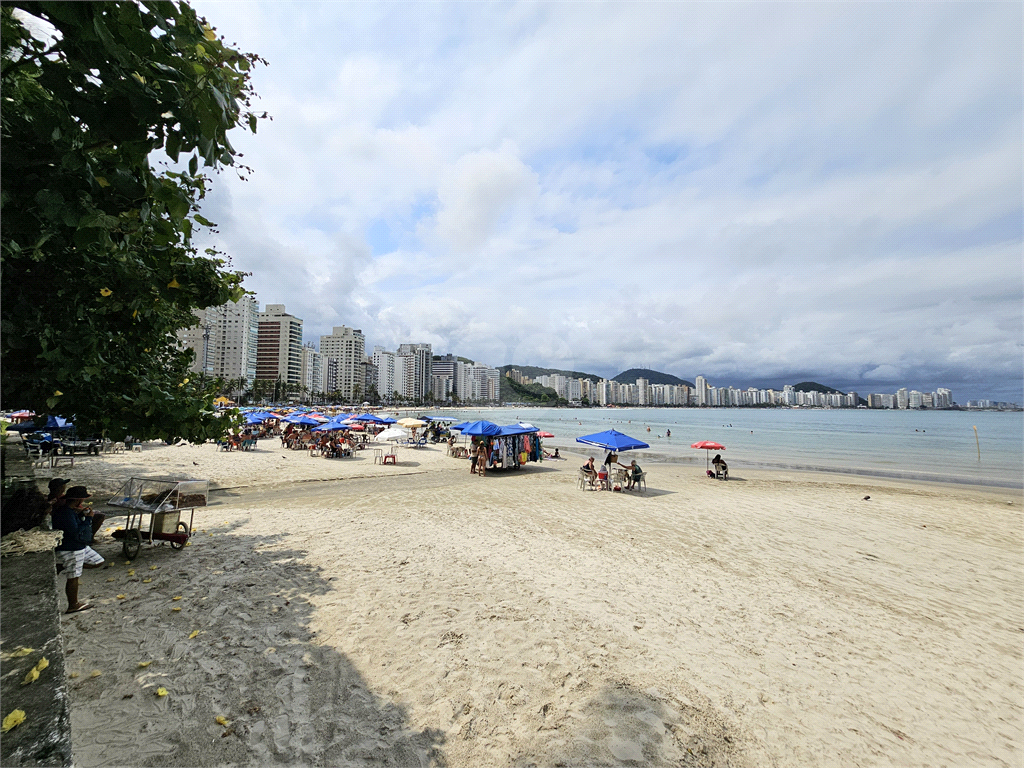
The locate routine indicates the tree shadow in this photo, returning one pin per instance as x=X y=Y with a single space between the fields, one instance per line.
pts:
x=622 y=725
x=255 y=662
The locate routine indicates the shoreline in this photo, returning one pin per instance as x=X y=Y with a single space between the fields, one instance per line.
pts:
x=867 y=474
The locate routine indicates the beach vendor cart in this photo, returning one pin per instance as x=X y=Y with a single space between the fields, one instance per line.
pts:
x=158 y=501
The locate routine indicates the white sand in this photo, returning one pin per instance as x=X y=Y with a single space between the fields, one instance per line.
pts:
x=417 y=615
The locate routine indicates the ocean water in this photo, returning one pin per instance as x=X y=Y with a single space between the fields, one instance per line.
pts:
x=937 y=446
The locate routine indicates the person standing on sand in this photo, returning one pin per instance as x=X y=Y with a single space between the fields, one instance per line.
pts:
x=76 y=521
x=481 y=458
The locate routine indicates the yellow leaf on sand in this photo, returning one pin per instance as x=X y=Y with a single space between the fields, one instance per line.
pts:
x=131 y=572
x=31 y=677
x=152 y=567
x=146 y=581
x=194 y=633
x=144 y=664
x=105 y=292
x=109 y=580
x=42 y=664
x=221 y=720
x=95 y=673
x=73 y=675
x=121 y=597
x=176 y=597
x=176 y=608
x=188 y=543
x=161 y=691
x=127 y=562
x=17 y=717
x=21 y=652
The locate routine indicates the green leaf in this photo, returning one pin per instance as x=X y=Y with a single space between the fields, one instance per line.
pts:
x=173 y=145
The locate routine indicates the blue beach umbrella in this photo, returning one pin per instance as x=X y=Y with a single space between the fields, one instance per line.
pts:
x=370 y=418
x=330 y=426
x=482 y=428
x=518 y=429
x=302 y=419
x=460 y=426
x=612 y=440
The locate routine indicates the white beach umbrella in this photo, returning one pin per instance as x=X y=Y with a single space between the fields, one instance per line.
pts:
x=393 y=433
x=410 y=422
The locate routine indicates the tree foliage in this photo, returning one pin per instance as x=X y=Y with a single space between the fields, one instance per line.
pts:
x=99 y=267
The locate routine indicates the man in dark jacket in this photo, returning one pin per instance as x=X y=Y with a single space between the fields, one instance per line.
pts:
x=75 y=519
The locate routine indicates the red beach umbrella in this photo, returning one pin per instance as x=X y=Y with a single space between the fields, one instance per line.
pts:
x=709 y=446
x=544 y=434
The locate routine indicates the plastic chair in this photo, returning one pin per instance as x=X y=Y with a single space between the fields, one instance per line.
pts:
x=378 y=455
x=585 y=481
x=56 y=459
x=641 y=481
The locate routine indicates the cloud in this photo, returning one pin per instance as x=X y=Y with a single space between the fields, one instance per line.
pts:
x=744 y=191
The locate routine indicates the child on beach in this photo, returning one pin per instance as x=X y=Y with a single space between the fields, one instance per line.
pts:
x=76 y=521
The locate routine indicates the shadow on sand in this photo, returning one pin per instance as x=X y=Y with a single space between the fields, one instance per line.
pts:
x=288 y=700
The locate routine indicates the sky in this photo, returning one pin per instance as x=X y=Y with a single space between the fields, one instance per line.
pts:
x=759 y=193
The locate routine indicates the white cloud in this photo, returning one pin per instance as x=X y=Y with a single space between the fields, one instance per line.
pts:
x=729 y=189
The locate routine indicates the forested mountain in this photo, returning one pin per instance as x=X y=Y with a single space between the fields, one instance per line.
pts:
x=653 y=377
x=533 y=372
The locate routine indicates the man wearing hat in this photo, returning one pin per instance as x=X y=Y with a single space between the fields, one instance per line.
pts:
x=75 y=519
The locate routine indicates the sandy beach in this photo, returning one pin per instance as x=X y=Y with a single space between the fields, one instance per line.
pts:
x=352 y=613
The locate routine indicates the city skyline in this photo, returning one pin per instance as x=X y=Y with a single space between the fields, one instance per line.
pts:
x=758 y=192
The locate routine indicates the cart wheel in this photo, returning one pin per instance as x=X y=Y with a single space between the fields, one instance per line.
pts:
x=132 y=543
x=182 y=528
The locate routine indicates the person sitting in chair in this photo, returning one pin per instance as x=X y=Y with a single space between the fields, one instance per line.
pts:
x=721 y=468
x=590 y=470
x=635 y=473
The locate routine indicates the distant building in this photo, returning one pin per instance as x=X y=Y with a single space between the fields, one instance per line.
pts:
x=312 y=376
x=418 y=369
x=346 y=346
x=279 y=345
x=224 y=340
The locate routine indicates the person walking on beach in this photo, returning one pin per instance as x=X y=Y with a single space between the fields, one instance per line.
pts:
x=75 y=519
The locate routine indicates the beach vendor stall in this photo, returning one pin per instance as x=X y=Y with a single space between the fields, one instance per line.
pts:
x=515 y=445
x=162 y=499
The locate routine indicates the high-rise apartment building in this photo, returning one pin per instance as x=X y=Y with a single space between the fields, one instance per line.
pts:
x=279 y=345
x=225 y=340
x=347 y=346
x=385 y=362
x=418 y=369
x=312 y=376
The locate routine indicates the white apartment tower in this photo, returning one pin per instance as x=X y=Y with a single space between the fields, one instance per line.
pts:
x=417 y=370
x=225 y=340
x=312 y=376
x=347 y=346
x=385 y=362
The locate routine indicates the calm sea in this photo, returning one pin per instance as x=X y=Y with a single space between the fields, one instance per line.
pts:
x=921 y=445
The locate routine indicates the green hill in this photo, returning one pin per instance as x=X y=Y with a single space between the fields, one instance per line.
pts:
x=653 y=377
x=514 y=392
x=813 y=386
x=533 y=372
